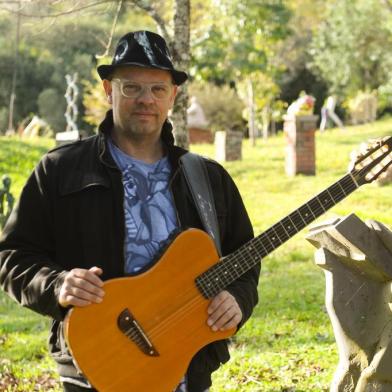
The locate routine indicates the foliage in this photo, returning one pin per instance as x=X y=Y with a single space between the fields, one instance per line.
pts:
x=264 y=91
x=51 y=107
x=353 y=46
x=288 y=344
x=241 y=42
x=293 y=53
x=222 y=106
x=94 y=101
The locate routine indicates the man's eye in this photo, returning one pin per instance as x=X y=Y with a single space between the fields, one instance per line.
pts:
x=131 y=88
x=159 y=88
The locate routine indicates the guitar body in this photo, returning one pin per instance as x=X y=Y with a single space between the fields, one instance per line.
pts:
x=168 y=308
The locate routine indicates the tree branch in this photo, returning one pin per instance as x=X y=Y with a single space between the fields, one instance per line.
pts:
x=72 y=10
x=145 y=6
x=99 y=56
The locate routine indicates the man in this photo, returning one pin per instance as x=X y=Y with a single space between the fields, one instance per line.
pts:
x=104 y=207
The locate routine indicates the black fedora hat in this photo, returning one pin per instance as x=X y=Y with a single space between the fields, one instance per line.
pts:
x=143 y=49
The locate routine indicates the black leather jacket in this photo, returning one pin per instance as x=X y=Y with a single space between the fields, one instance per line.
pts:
x=70 y=214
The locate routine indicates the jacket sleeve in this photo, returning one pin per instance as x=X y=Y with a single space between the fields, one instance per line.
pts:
x=238 y=230
x=27 y=270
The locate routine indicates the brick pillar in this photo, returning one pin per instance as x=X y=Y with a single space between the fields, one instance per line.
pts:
x=300 y=145
x=228 y=145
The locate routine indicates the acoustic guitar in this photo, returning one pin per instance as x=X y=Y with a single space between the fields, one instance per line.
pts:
x=148 y=327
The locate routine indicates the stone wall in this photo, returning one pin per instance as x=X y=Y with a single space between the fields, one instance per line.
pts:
x=198 y=136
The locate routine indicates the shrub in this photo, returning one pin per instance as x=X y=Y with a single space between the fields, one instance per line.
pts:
x=221 y=104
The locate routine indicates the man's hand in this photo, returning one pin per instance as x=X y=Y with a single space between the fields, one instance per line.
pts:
x=81 y=287
x=224 y=312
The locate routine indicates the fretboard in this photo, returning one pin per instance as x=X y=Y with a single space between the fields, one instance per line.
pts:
x=247 y=256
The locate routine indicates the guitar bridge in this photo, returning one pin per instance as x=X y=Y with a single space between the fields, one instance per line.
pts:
x=132 y=330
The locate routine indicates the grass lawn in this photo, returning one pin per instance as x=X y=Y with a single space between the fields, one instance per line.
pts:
x=288 y=345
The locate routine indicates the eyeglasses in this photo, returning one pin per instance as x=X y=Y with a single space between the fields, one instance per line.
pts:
x=129 y=89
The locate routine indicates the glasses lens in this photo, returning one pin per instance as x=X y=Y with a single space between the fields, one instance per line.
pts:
x=131 y=90
x=134 y=90
x=160 y=91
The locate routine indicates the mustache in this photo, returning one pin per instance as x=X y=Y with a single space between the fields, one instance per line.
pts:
x=147 y=109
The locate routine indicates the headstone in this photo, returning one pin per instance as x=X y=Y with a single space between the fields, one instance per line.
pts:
x=357 y=262
x=228 y=146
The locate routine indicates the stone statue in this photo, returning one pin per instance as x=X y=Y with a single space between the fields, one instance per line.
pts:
x=195 y=115
x=6 y=200
x=357 y=262
x=71 y=96
x=71 y=133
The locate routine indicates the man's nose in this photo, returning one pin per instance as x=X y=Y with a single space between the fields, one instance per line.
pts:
x=145 y=95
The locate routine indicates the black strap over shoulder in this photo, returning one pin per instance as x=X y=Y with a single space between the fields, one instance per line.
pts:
x=197 y=179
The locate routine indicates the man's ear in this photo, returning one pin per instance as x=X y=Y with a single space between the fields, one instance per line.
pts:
x=107 y=85
x=175 y=92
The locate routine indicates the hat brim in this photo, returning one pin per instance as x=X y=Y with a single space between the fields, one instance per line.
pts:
x=104 y=71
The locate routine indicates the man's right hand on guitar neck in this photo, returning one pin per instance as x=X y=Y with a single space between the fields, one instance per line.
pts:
x=81 y=287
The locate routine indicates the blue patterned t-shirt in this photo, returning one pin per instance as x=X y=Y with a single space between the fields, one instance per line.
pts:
x=150 y=216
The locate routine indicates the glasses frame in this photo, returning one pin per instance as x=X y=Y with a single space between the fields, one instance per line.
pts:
x=144 y=87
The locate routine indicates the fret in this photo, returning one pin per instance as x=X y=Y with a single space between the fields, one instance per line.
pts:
x=306 y=214
x=267 y=241
x=326 y=200
x=259 y=241
x=301 y=223
x=273 y=237
x=282 y=226
x=316 y=206
x=337 y=192
x=340 y=185
x=289 y=226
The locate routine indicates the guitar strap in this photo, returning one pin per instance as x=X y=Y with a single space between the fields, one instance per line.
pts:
x=196 y=176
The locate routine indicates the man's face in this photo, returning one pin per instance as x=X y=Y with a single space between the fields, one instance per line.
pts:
x=143 y=115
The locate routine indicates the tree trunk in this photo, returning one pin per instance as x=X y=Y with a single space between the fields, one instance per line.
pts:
x=251 y=108
x=181 y=58
x=15 y=73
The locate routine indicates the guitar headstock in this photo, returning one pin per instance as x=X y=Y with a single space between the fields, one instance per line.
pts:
x=372 y=159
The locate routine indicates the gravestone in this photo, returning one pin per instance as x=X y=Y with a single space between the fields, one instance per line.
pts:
x=228 y=145
x=357 y=262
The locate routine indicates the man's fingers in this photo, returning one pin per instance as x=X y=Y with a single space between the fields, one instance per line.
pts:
x=81 y=287
x=79 y=283
x=217 y=301
x=224 y=312
x=89 y=275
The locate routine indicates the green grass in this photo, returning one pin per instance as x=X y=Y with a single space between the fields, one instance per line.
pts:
x=288 y=344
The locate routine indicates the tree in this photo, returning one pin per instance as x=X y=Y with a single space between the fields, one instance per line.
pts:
x=353 y=48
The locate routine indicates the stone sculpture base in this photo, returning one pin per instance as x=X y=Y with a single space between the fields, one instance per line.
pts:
x=357 y=261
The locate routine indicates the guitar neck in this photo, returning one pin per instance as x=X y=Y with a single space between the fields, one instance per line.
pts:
x=231 y=267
